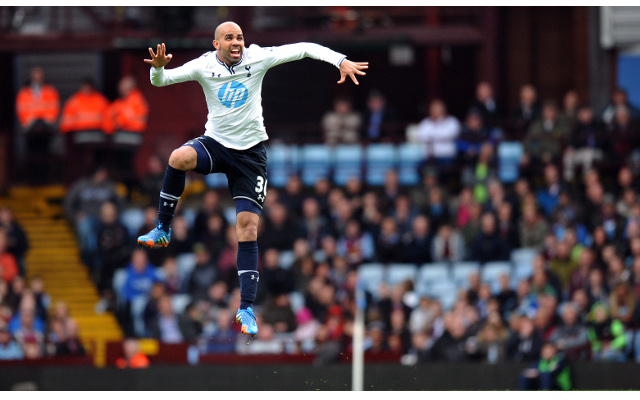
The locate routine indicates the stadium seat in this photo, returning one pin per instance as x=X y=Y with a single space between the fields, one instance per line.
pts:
x=119 y=279
x=186 y=263
x=398 y=273
x=280 y=166
x=297 y=301
x=230 y=215
x=315 y=163
x=190 y=216
x=430 y=273
x=522 y=270
x=180 y=302
x=461 y=271
x=523 y=255
x=492 y=271
x=410 y=157
x=286 y=259
x=347 y=163
x=371 y=275
x=216 y=180
x=133 y=219
x=445 y=291
x=380 y=158
x=509 y=155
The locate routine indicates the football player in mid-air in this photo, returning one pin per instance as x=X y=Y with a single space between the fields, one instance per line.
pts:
x=231 y=77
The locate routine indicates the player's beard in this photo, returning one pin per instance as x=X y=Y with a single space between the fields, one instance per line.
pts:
x=229 y=57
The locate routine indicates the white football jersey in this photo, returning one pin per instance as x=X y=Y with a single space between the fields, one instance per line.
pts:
x=233 y=94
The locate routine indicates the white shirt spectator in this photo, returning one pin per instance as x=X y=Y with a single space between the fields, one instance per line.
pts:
x=439 y=132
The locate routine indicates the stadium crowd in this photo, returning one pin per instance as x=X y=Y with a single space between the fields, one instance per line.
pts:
x=31 y=327
x=574 y=204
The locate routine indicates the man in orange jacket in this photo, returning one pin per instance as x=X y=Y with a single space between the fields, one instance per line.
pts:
x=37 y=107
x=126 y=121
x=82 y=122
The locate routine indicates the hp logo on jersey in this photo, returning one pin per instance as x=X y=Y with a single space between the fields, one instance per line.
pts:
x=233 y=94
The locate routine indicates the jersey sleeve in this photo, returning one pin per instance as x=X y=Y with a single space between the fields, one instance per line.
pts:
x=292 y=52
x=187 y=72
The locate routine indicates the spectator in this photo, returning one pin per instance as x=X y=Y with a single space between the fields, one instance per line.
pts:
x=82 y=205
x=64 y=340
x=174 y=281
x=571 y=338
x=489 y=246
x=41 y=298
x=486 y=105
x=293 y=197
x=388 y=245
x=403 y=212
x=9 y=348
x=379 y=119
x=150 y=313
x=623 y=131
x=223 y=339
x=550 y=373
x=82 y=121
x=169 y=327
x=525 y=343
x=356 y=246
x=8 y=264
x=140 y=278
x=472 y=136
x=545 y=138
x=438 y=132
x=313 y=225
x=210 y=205
x=342 y=124
x=569 y=113
x=622 y=302
x=562 y=264
x=113 y=246
x=527 y=111
x=278 y=313
x=607 y=334
x=279 y=231
x=489 y=345
x=533 y=228
x=307 y=329
x=447 y=245
x=126 y=121
x=450 y=346
x=507 y=225
x=26 y=327
x=151 y=184
x=587 y=144
x=182 y=240
x=619 y=98
x=17 y=241
x=548 y=196
x=37 y=107
x=416 y=245
x=203 y=275
x=133 y=357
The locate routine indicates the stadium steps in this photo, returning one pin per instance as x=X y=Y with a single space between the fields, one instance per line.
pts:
x=54 y=255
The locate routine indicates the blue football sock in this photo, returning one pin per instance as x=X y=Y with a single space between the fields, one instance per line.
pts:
x=247 y=262
x=172 y=188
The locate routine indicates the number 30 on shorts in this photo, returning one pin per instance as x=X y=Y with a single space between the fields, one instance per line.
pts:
x=261 y=186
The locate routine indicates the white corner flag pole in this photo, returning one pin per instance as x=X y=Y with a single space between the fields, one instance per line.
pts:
x=357 y=368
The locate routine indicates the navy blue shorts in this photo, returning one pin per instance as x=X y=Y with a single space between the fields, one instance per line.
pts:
x=246 y=170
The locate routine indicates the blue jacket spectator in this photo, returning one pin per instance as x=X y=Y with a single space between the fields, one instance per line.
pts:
x=9 y=348
x=141 y=276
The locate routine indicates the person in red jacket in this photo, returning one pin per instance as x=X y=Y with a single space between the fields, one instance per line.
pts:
x=133 y=357
x=37 y=108
x=126 y=121
x=82 y=122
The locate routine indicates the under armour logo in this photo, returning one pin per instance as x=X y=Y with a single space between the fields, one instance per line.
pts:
x=170 y=204
x=261 y=197
x=255 y=278
x=248 y=68
x=213 y=75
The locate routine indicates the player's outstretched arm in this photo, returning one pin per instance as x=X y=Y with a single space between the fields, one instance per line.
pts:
x=160 y=58
x=352 y=69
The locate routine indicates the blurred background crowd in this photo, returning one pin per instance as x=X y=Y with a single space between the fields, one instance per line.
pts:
x=478 y=235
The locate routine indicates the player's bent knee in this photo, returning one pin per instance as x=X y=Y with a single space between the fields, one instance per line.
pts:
x=185 y=158
x=247 y=227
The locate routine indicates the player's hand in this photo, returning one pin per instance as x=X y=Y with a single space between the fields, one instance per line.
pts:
x=160 y=58
x=352 y=69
